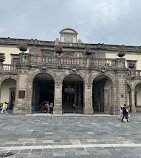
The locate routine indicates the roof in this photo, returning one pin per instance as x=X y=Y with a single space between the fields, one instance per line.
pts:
x=68 y=30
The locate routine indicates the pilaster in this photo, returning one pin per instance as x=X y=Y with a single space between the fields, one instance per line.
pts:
x=88 y=100
x=58 y=99
x=23 y=93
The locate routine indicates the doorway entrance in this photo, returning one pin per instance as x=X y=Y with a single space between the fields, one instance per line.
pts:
x=72 y=94
x=43 y=91
x=102 y=94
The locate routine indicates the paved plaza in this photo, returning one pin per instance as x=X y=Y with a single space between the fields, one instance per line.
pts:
x=69 y=136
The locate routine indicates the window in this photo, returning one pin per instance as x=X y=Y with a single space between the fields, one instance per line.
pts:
x=131 y=64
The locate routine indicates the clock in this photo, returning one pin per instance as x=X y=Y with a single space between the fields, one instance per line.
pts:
x=68 y=39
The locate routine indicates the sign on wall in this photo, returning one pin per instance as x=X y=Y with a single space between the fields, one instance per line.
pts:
x=21 y=94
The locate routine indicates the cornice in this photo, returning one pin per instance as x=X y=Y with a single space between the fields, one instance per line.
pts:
x=39 y=43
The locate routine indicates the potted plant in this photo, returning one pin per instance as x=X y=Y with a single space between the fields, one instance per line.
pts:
x=22 y=48
x=88 y=51
x=131 y=65
x=2 y=57
x=58 y=49
x=121 y=54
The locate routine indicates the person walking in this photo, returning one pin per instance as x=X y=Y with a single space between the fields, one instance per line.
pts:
x=47 y=107
x=125 y=113
x=51 y=108
x=62 y=109
x=74 y=107
x=33 y=108
x=4 y=108
x=120 y=115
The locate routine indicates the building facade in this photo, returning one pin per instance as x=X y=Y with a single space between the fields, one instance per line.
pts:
x=98 y=81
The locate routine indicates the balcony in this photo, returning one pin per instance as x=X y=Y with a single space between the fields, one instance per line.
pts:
x=58 y=61
x=66 y=62
x=134 y=74
x=8 y=69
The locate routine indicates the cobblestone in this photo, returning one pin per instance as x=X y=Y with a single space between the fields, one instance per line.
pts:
x=70 y=136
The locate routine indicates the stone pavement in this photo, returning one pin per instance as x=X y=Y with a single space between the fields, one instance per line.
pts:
x=69 y=136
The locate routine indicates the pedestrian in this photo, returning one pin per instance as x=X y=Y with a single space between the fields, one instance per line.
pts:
x=4 y=108
x=74 y=107
x=120 y=115
x=33 y=108
x=47 y=107
x=62 y=109
x=125 y=113
x=51 y=108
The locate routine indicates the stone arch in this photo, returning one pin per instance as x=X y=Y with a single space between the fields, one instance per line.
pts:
x=8 y=77
x=35 y=73
x=72 y=92
x=8 y=90
x=136 y=83
x=129 y=84
x=95 y=75
x=102 y=92
x=63 y=75
x=42 y=90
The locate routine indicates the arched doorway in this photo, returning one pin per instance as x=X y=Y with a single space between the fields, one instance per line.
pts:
x=72 y=93
x=102 y=94
x=8 y=92
x=43 y=91
x=138 y=97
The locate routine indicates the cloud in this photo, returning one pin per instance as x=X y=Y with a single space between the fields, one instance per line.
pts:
x=96 y=21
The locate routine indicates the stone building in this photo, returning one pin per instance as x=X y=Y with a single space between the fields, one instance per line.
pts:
x=90 y=75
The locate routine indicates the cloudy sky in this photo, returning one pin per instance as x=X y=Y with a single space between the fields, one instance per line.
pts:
x=96 y=21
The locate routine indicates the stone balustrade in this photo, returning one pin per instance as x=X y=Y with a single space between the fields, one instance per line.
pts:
x=134 y=73
x=8 y=68
x=79 y=61
x=58 y=60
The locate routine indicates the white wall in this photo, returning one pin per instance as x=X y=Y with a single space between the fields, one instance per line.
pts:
x=127 y=57
x=8 y=50
x=138 y=90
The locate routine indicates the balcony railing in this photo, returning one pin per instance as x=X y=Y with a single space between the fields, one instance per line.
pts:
x=8 y=68
x=79 y=61
x=66 y=62
x=134 y=73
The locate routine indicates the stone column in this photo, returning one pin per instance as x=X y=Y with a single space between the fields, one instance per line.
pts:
x=121 y=90
x=57 y=99
x=133 y=108
x=121 y=84
x=114 y=100
x=23 y=92
x=79 y=106
x=88 y=100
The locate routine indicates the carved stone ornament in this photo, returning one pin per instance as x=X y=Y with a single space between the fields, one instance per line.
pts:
x=43 y=68
x=74 y=69
x=102 y=70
